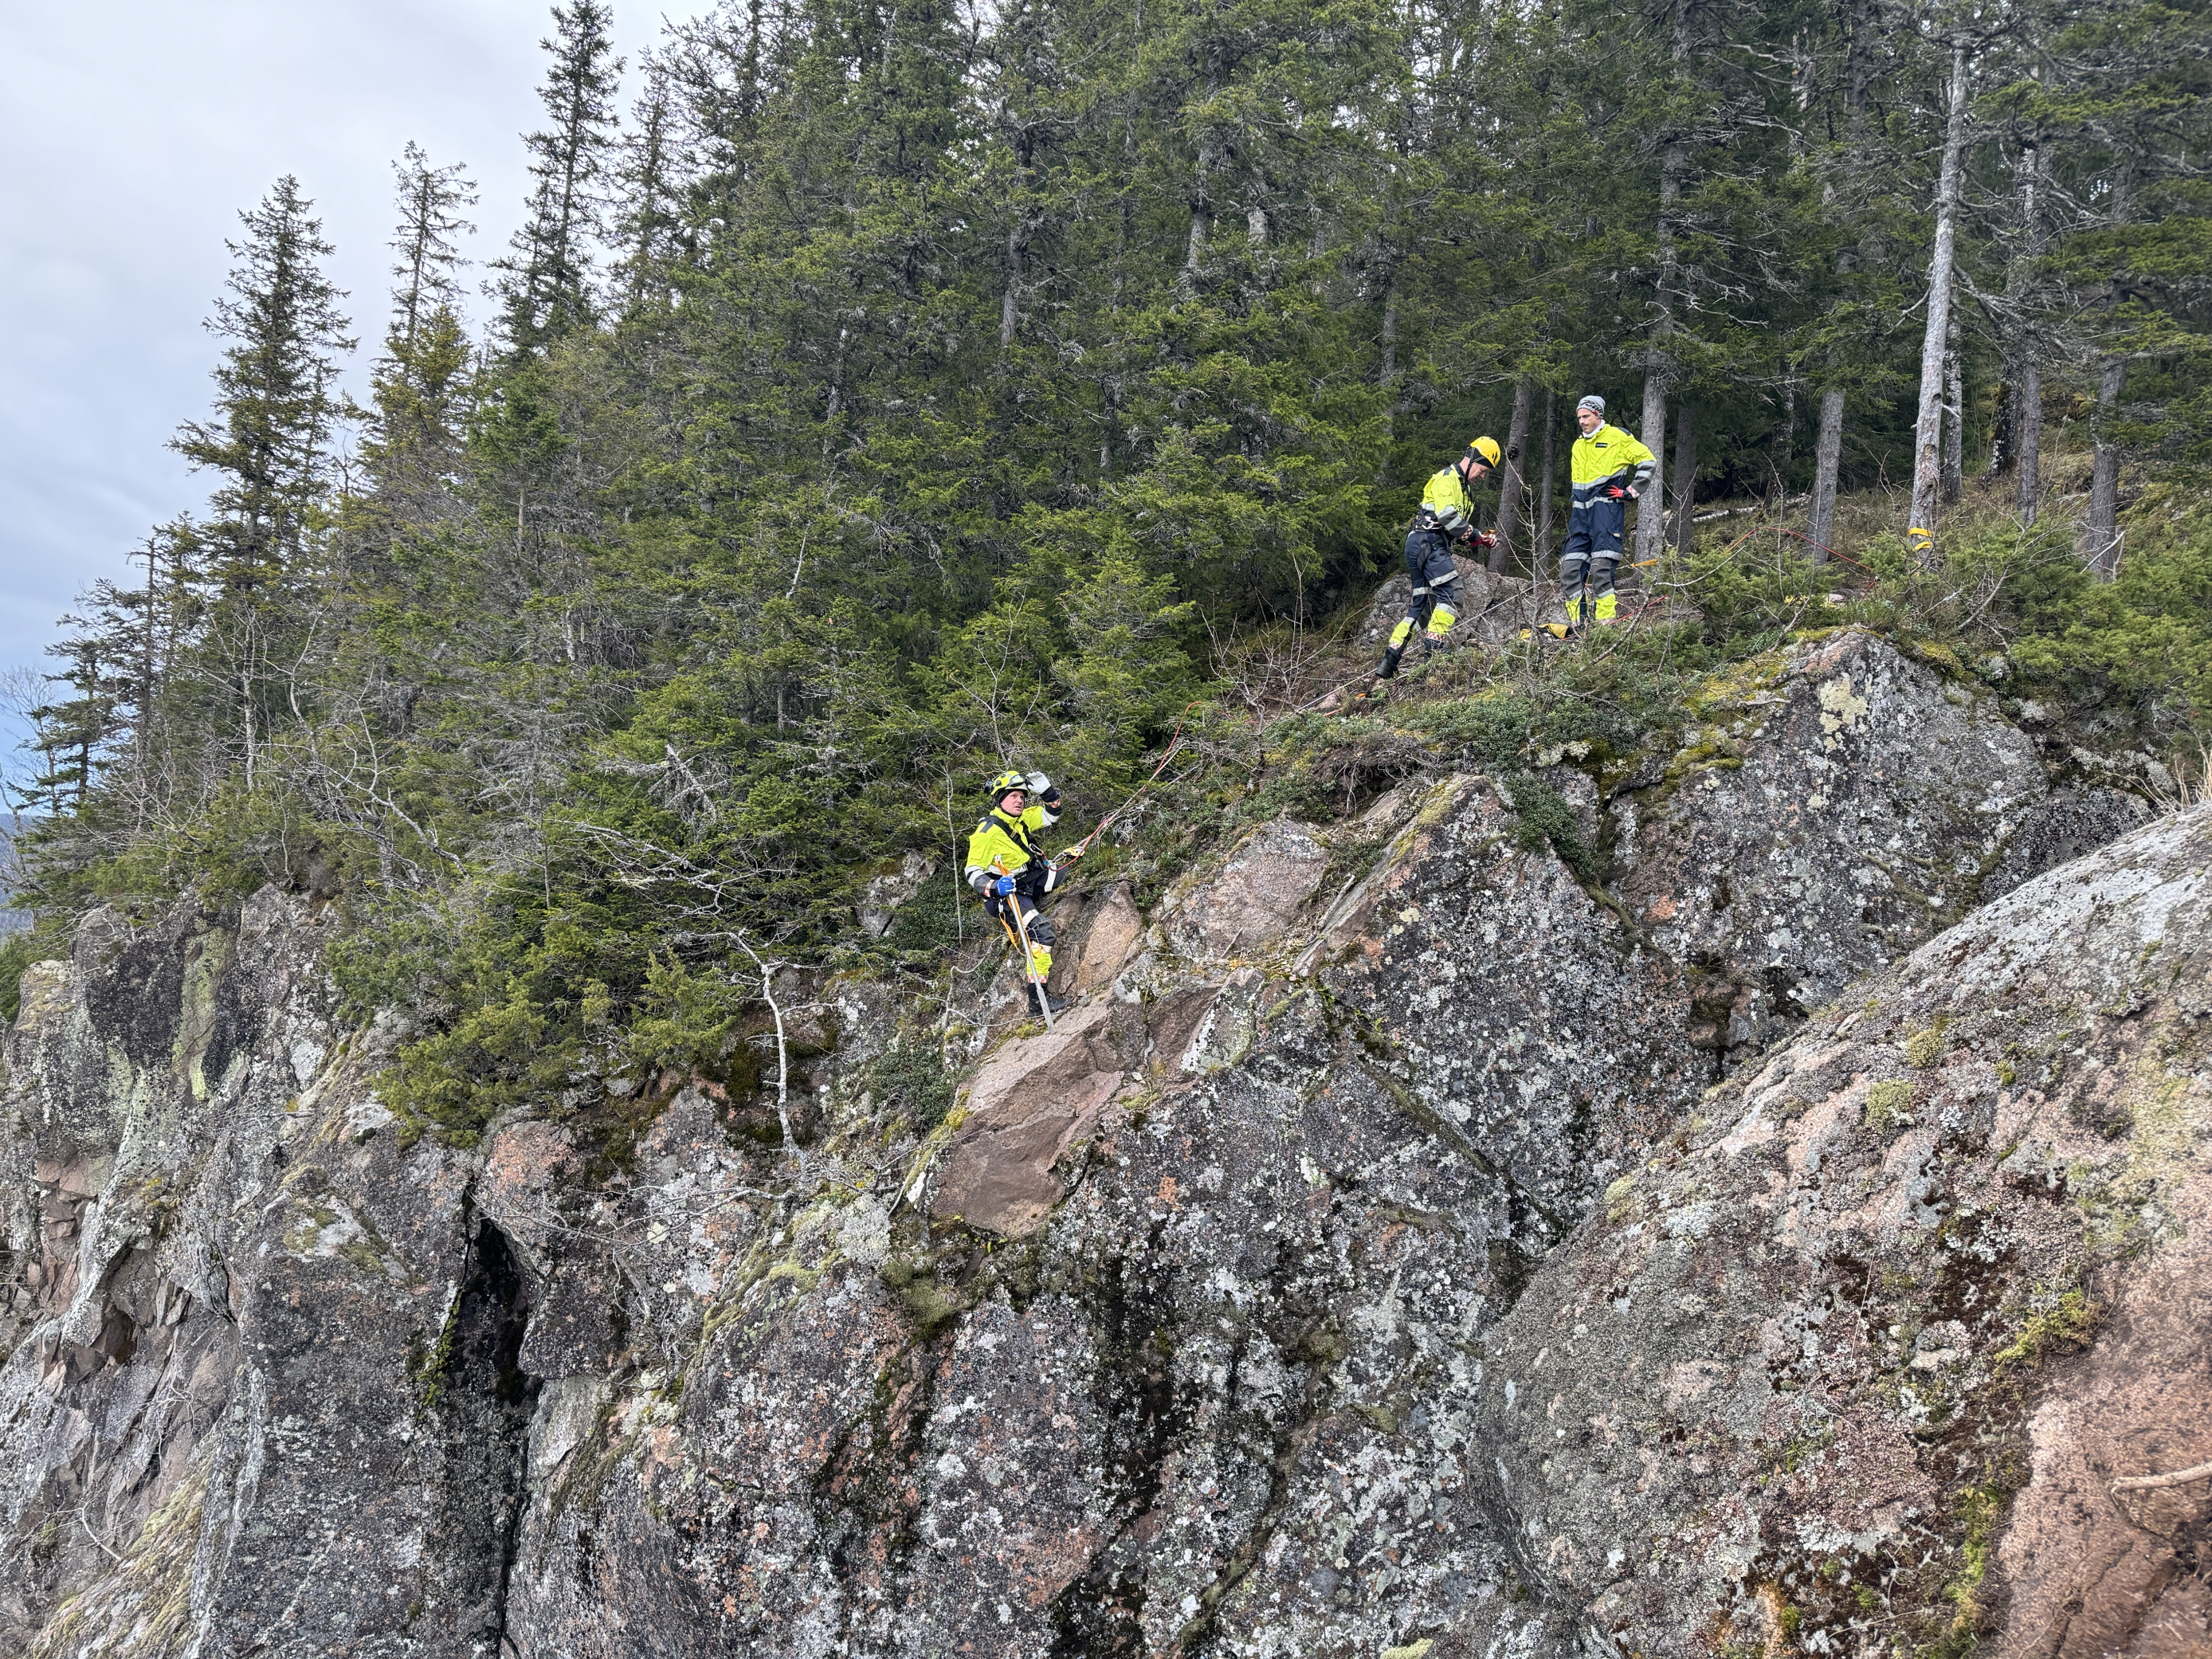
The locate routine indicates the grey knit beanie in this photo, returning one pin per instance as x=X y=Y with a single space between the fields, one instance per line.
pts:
x=1592 y=403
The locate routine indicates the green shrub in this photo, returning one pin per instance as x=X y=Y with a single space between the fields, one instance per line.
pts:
x=930 y=920
x=18 y=951
x=1546 y=821
x=910 y=1077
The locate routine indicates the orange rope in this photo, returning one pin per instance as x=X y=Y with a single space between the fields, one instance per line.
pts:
x=1175 y=742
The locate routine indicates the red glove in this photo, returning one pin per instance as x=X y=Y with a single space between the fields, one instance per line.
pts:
x=1488 y=539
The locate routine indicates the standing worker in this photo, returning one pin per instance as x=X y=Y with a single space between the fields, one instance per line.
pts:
x=1608 y=468
x=1009 y=868
x=1446 y=515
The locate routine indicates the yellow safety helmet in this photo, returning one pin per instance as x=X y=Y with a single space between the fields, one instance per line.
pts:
x=1485 y=450
x=1006 y=782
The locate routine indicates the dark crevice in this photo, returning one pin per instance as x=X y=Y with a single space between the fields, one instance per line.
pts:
x=484 y=1403
x=1199 y=1634
x=1101 y=1615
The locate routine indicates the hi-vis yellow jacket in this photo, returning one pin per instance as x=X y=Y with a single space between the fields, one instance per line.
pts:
x=1005 y=845
x=1607 y=451
x=1445 y=503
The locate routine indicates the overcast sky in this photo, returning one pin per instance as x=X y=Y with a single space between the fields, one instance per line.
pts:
x=132 y=133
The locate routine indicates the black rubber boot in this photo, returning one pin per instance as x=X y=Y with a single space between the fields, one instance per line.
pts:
x=1389 y=669
x=1040 y=999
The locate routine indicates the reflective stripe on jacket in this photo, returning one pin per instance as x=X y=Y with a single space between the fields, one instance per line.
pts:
x=1445 y=503
x=1606 y=452
x=1005 y=845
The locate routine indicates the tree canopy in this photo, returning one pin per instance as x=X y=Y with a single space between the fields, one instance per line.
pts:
x=907 y=388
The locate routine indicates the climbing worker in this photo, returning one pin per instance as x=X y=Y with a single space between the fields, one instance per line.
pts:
x=1610 y=468
x=1446 y=516
x=1009 y=868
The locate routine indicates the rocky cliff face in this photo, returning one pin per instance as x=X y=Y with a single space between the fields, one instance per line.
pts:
x=1362 y=1264
x=1859 y=1350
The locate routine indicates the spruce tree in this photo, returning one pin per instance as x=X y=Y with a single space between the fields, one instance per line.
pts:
x=270 y=440
x=269 y=445
x=427 y=271
x=651 y=174
x=412 y=433
x=2132 y=104
x=544 y=285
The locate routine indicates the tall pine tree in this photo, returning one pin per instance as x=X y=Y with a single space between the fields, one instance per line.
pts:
x=413 y=433
x=544 y=285
x=269 y=444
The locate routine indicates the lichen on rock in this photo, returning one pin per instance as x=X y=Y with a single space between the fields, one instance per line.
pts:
x=1597 y=1207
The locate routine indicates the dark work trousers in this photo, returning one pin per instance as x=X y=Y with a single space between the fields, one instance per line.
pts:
x=1028 y=889
x=1595 y=529
x=1436 y=579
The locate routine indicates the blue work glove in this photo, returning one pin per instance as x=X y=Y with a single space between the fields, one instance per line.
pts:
x=1004 y=885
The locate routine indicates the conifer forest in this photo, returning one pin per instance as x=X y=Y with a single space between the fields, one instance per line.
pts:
x=535 y=1120
x=877 y=393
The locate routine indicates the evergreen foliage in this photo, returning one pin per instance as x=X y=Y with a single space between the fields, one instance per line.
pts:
x=910 y=390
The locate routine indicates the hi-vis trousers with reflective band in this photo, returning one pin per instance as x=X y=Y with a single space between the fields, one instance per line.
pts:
x=1039 y=928
x=1428 y=562
x=1595 y=529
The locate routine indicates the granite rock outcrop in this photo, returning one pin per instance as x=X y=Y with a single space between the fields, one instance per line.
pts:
x=1859 y=1352
x=1236 y=1312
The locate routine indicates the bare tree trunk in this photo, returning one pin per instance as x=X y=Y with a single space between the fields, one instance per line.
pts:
x=2027 y=429
x=1509 y=477
x=1828 y=443
x=1927 y=430
x=1390 y=380
x=1683 y=484
x=1828 y=462
x=1651 y=510
x=2099 y=545
x=1658 y=367
x=1202 y=197
x=1954 y=416
x=1783 y=445
x=2026 y=453
x=1542 y=549
x=1010 y=308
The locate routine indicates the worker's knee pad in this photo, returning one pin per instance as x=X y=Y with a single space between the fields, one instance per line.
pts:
x=1441 y=620
x=1572 y=568
x=1600 y=576
x=1040 y=929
